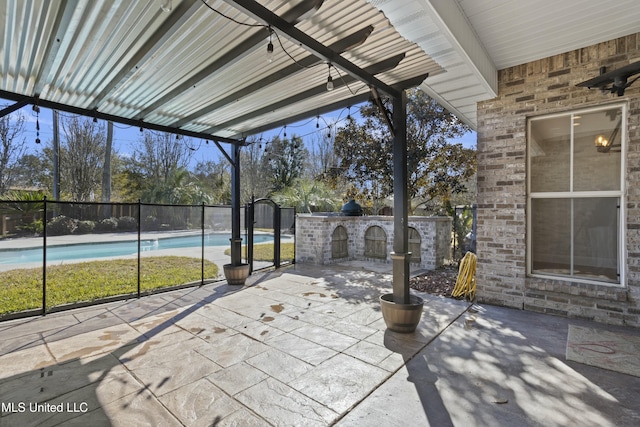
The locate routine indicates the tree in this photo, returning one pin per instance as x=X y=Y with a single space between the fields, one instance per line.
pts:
x=12 y=148
x=177 y=189
x=215 y=179
x=156 y=162
x=322 y=156
x=437 y=168
x=254 y=182
x=284 y=161
x=82 y=153
x=308 y=195
x=34 y=171
x=106 y=167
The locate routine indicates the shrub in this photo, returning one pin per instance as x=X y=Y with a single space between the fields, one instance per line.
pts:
x=107 y=225
x=61 y=225
x=34 y=227
x=85 y=227
x=127 y=223
x=178 y=223
x=150 y=223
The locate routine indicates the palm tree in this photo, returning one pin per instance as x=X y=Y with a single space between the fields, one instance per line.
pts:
x=307 y=195
x=27 y=204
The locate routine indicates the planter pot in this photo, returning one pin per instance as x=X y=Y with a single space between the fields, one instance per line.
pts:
x=401 y=317
x=236 y=274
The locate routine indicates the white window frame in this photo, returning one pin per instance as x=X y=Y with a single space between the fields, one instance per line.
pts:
x=621 y=195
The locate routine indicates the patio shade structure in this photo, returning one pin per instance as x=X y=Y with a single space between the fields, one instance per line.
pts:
x=203 y=68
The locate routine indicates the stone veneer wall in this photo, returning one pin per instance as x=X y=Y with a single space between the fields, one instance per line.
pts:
x=537 y=88
x=313 y=238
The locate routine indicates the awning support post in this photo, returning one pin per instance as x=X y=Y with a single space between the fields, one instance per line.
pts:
x=236 y=239
x=400 y=256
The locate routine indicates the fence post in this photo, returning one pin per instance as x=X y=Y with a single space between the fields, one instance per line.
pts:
x=202 y=257
x=249 y=219
x=44 y=258
x=139 y=227
x=293 y=261
x=277 y=225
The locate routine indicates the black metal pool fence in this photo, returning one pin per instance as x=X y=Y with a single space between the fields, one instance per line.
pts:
x=30 y=227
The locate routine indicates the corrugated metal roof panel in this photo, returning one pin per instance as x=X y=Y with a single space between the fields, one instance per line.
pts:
x=191 y=68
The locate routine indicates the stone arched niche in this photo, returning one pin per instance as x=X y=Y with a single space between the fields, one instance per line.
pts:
x=415 y=245
x=375 y=242
x=339 y=243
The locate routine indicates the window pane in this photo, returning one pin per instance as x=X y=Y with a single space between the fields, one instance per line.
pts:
x=597 y=169
x=551 y=236
x=596 y=238
x=549 y=150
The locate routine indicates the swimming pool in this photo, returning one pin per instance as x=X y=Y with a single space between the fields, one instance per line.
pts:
x=119 y=248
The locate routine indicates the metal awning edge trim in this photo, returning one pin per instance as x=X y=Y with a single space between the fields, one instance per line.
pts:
x=34 y=100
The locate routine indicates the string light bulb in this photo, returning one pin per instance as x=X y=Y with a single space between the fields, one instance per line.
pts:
x=329 y=80
x=166 y=5
x=270 y=47
x=37 y=110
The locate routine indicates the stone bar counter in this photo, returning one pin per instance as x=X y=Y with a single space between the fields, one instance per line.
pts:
x=330 y=238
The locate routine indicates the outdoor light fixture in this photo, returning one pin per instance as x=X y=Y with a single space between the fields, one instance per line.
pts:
x=329 y=80
x=615 y=81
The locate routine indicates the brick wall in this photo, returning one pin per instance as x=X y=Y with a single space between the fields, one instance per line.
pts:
x=529 y=90
x=313 y=238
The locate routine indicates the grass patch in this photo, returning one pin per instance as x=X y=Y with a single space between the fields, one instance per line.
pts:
x=264 y=252
x=88 y=281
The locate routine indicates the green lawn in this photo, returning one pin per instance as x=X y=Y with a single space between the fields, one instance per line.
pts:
x=88 y=281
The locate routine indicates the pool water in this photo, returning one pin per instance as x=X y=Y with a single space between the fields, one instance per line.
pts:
x=114 y=249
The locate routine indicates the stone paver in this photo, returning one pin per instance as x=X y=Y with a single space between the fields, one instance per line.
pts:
x=302 y=346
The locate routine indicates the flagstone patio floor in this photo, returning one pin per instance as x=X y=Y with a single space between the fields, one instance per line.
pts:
x=302 y=346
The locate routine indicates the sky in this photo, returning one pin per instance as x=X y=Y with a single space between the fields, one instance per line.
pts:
x=126 y=138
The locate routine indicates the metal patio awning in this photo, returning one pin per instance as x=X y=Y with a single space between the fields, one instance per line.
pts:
x=201 y=69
